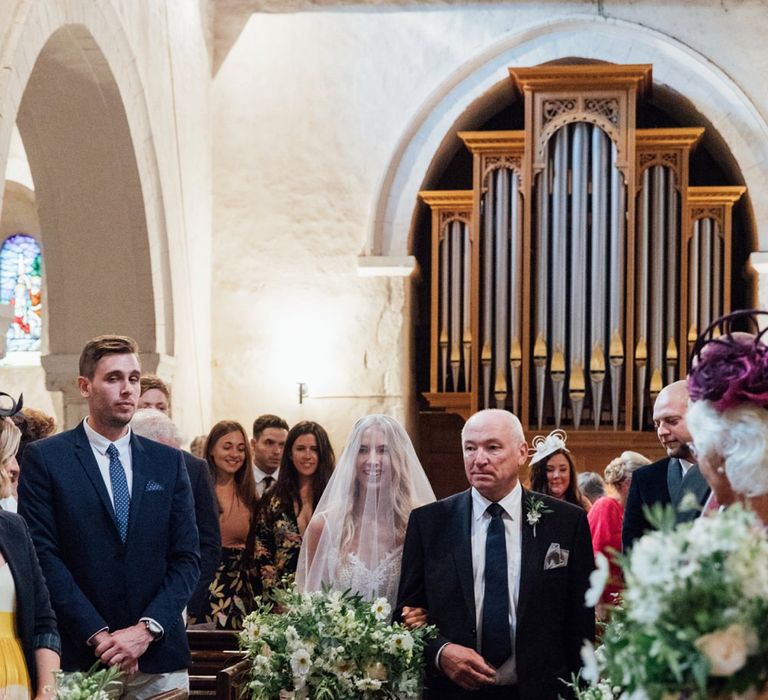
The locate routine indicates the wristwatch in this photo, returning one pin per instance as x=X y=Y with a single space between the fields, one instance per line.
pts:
x=153 y=628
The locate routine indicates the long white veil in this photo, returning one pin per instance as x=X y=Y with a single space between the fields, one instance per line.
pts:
x=355 y=537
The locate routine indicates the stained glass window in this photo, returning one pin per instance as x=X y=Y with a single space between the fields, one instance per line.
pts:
x=20 y=286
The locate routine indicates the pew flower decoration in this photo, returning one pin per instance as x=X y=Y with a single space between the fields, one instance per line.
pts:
x=534 y=509
x=98 y=683
x=693 y=616
x=328 y=645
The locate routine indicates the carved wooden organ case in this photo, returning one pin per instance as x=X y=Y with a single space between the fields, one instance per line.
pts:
x=569 y=283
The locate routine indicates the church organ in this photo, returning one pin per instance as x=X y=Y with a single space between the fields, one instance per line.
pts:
x=568 y=284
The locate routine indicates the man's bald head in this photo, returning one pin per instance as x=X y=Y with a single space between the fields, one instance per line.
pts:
x=669 y=418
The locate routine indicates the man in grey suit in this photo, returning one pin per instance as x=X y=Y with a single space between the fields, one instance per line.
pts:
x=670 y=479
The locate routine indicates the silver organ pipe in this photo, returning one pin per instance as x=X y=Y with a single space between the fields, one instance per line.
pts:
x=693 y=284
x=455 y=276
x=717 y=271
x=486 y=354
x=656 y=246
x=466 y=335
x=501 y=246
x=616 y=286
x=559 y=267
x=600 y=220
x=705 y=263
x=672 y=232
x=515 y=288
x=641 y=297
x=444 y=244
x=578 y=267
x=542 y=290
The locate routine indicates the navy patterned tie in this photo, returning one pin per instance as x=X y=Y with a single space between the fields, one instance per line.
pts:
x=496 y=640
x=120 y=493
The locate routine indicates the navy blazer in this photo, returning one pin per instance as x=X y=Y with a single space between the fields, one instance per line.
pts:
x=650 y=486
x=94 y=579
x=207 y=516
x=552 y=620
x=35 y=621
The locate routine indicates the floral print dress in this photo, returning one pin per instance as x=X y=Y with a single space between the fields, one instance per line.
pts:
x=277 y=543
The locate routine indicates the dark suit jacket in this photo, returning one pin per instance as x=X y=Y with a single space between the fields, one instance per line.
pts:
x=207 y=516
x=94 y=579
x=552 y=621
x=35 y=621
x=649 y=486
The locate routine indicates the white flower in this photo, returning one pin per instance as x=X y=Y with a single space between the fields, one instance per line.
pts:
x=368 y=684
x=726 y=650
x=533 y=517
x=301 y=662
x=597 y=580
x=381 y=609
x=637 y=694
x=400 y=642
x=589 y=670
x=291 y=636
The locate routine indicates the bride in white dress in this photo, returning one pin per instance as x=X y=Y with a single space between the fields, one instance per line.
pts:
x=355 y=538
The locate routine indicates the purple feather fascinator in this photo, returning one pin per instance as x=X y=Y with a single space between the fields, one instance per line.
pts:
x=729 y=367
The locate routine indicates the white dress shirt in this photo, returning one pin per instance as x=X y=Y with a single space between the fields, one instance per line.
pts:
x=99 y=445
x=685 y=465
x=260 y=475
x=481 y=519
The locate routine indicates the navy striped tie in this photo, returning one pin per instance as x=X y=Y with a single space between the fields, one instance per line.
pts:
x=496 y=639
x=120 y=493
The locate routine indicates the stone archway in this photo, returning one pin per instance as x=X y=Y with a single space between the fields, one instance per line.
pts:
x=97 y=187
x=676 y=67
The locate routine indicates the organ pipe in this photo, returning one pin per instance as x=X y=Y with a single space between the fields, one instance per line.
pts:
x=455 y=277
x=616 y=286
x=559 y=266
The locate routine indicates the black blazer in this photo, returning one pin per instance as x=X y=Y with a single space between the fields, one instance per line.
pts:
x=96 y=580
x=207 y=516
x=35 y=620
x=650 y=485
x=552 y=621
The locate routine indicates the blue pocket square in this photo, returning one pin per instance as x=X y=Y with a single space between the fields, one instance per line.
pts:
x=153 y=486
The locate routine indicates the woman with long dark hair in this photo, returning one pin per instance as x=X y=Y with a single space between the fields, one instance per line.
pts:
x=552 y=470
x=285 y=511
x=231 y=594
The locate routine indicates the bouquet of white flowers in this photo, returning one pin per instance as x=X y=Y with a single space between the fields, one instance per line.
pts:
x=331 y=645
x=93 y=684
x=694 y=615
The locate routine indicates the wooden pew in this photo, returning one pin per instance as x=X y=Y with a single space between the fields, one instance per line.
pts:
x=229 y=681
x=175 y=694
x=212 y=651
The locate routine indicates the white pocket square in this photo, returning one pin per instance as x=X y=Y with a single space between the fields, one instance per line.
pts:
x=153 y=486
x=555 y=557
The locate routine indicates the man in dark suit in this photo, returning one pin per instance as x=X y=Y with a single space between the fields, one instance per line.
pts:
x=155 y=424
x=112 y=519
x=502 y=573
x=670 y=479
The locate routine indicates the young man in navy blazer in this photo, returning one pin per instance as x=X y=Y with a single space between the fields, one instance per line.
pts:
x=502 y=573
x=112 y=519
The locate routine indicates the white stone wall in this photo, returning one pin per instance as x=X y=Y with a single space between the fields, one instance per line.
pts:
x=325 y=124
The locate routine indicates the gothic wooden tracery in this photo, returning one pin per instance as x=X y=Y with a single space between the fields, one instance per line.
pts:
x=567 y=283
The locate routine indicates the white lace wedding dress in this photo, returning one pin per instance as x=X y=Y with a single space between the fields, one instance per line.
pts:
x=382 y=581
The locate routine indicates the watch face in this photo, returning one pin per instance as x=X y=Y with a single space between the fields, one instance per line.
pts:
x=153 y=627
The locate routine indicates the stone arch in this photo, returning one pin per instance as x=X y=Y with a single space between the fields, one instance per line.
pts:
x=74 y=90
x=426 y=143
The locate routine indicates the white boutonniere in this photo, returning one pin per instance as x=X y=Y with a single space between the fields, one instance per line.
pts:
x=534 y=510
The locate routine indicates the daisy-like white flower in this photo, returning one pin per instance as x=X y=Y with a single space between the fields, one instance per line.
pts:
x=368 y=684
x=401 y=642
x=381 y=609
x=301 y=662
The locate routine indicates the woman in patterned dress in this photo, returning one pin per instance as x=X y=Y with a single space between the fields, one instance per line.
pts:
x=231 y=594
x=286 y=509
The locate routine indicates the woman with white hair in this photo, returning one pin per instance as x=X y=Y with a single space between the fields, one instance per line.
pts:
x=355 y=538
x=606 y=518
x=728 y=416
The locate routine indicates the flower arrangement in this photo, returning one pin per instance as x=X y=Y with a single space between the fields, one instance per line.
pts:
x=693 y=617
x=93 y=684
x=329 y=645
x=534 y=509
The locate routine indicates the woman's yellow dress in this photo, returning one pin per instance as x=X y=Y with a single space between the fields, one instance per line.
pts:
x=14 y=678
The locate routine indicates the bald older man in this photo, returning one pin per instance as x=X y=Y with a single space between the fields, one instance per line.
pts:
x=669 y=479
x=502 y=573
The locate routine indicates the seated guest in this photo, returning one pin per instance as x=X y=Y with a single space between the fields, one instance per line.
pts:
x=29 y=641
x=552 y=470
x=154 y=393
x=231 y=595
x=591 y=485
x=267 y=444
x=606 y=518
x=285 y=512
x=151 y=423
